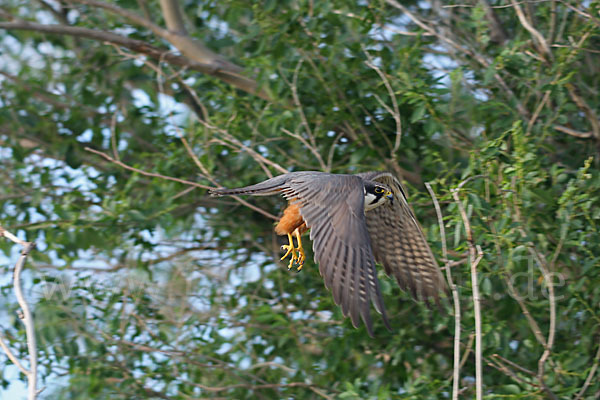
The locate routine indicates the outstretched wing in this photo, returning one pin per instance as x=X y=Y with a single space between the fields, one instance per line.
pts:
x=333 y=207
x=399 y=244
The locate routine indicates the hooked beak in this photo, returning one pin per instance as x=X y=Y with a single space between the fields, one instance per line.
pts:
x=390 y=197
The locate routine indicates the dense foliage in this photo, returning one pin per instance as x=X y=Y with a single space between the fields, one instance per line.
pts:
x=143 y=286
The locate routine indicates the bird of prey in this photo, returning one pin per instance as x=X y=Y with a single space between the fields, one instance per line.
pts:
x=354 y=222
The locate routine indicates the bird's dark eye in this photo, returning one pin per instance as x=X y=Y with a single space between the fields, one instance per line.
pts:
x=379 y=190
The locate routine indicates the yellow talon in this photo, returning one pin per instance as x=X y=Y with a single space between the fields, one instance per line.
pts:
x=301 y=256
x=297 y=253
x=289 y=247
x=290 y=250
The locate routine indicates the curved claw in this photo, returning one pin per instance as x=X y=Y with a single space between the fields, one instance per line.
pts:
x=300 y=258
x=297 y=253
x=290 y=249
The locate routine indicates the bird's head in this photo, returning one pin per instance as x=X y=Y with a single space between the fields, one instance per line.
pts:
x=377 y=194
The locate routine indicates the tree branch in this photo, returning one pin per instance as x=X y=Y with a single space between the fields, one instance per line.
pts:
x=170 y=178
x=191 y=48
x=587 y=110
x=497 y=32
x=543 y=45
x=176 y=33
x=590 y=376
x=196 y=63
x=479 y=58
x=455 y=298
x=475 y=256
x=27 y=317
x=541 y=261
x=395 y=113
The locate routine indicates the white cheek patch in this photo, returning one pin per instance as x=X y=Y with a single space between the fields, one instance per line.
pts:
x=369 y=199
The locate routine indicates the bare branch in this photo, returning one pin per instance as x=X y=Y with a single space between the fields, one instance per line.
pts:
x=173 y=18
x=590 y=376
x=468 y=349
x=170 y=178
x=504 y=369
x=514 y=365
x=498 y=34
x=27 y=318
x=131 y=16
x=587 y=110
x=332 y=150
x=241 y=146
x=311 y=143
x=145 y=173
x=538 y=110
x=103 y=36
x=573 y=132
x=543 y=265
x=11 y=355
x=312 y=149
x=194 y=63
x=541 y=41
x=381 y=26
x=396 y=111
x=582 y=13
x=475 y=256
x=535 y=328
x=298 y=104
x=176 y=33
x=252 y=387
x=455 y=298
x=479 y=58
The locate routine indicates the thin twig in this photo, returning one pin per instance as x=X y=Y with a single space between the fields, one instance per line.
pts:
x=475 y=256
x=332 y=150
x=241 y=146
x=573 y=132
x=27 y=318
x=193 y=156
x=535 y=328
x=11 y=355
x=508 y=279
x=502 y=6
x=470 y=53
x=590 y=376
x=534 y=32
x=113 y=135
x=311 y=143
x=580 y=12
x=309 y=146
x=170 y=178
x=379 y=25
x=396 y=112
x=209 y=177
x=455 y=298
x=468 y=349
x=514 y=365
x=145 y=173
x=542 y=264
x=587 y=110
x=537 y=111
x=504 y=369
x=294 y=87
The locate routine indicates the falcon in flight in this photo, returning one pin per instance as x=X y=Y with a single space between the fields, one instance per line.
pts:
x=354 y=222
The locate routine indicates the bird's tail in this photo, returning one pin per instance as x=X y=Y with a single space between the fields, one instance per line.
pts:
x=266 y=188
